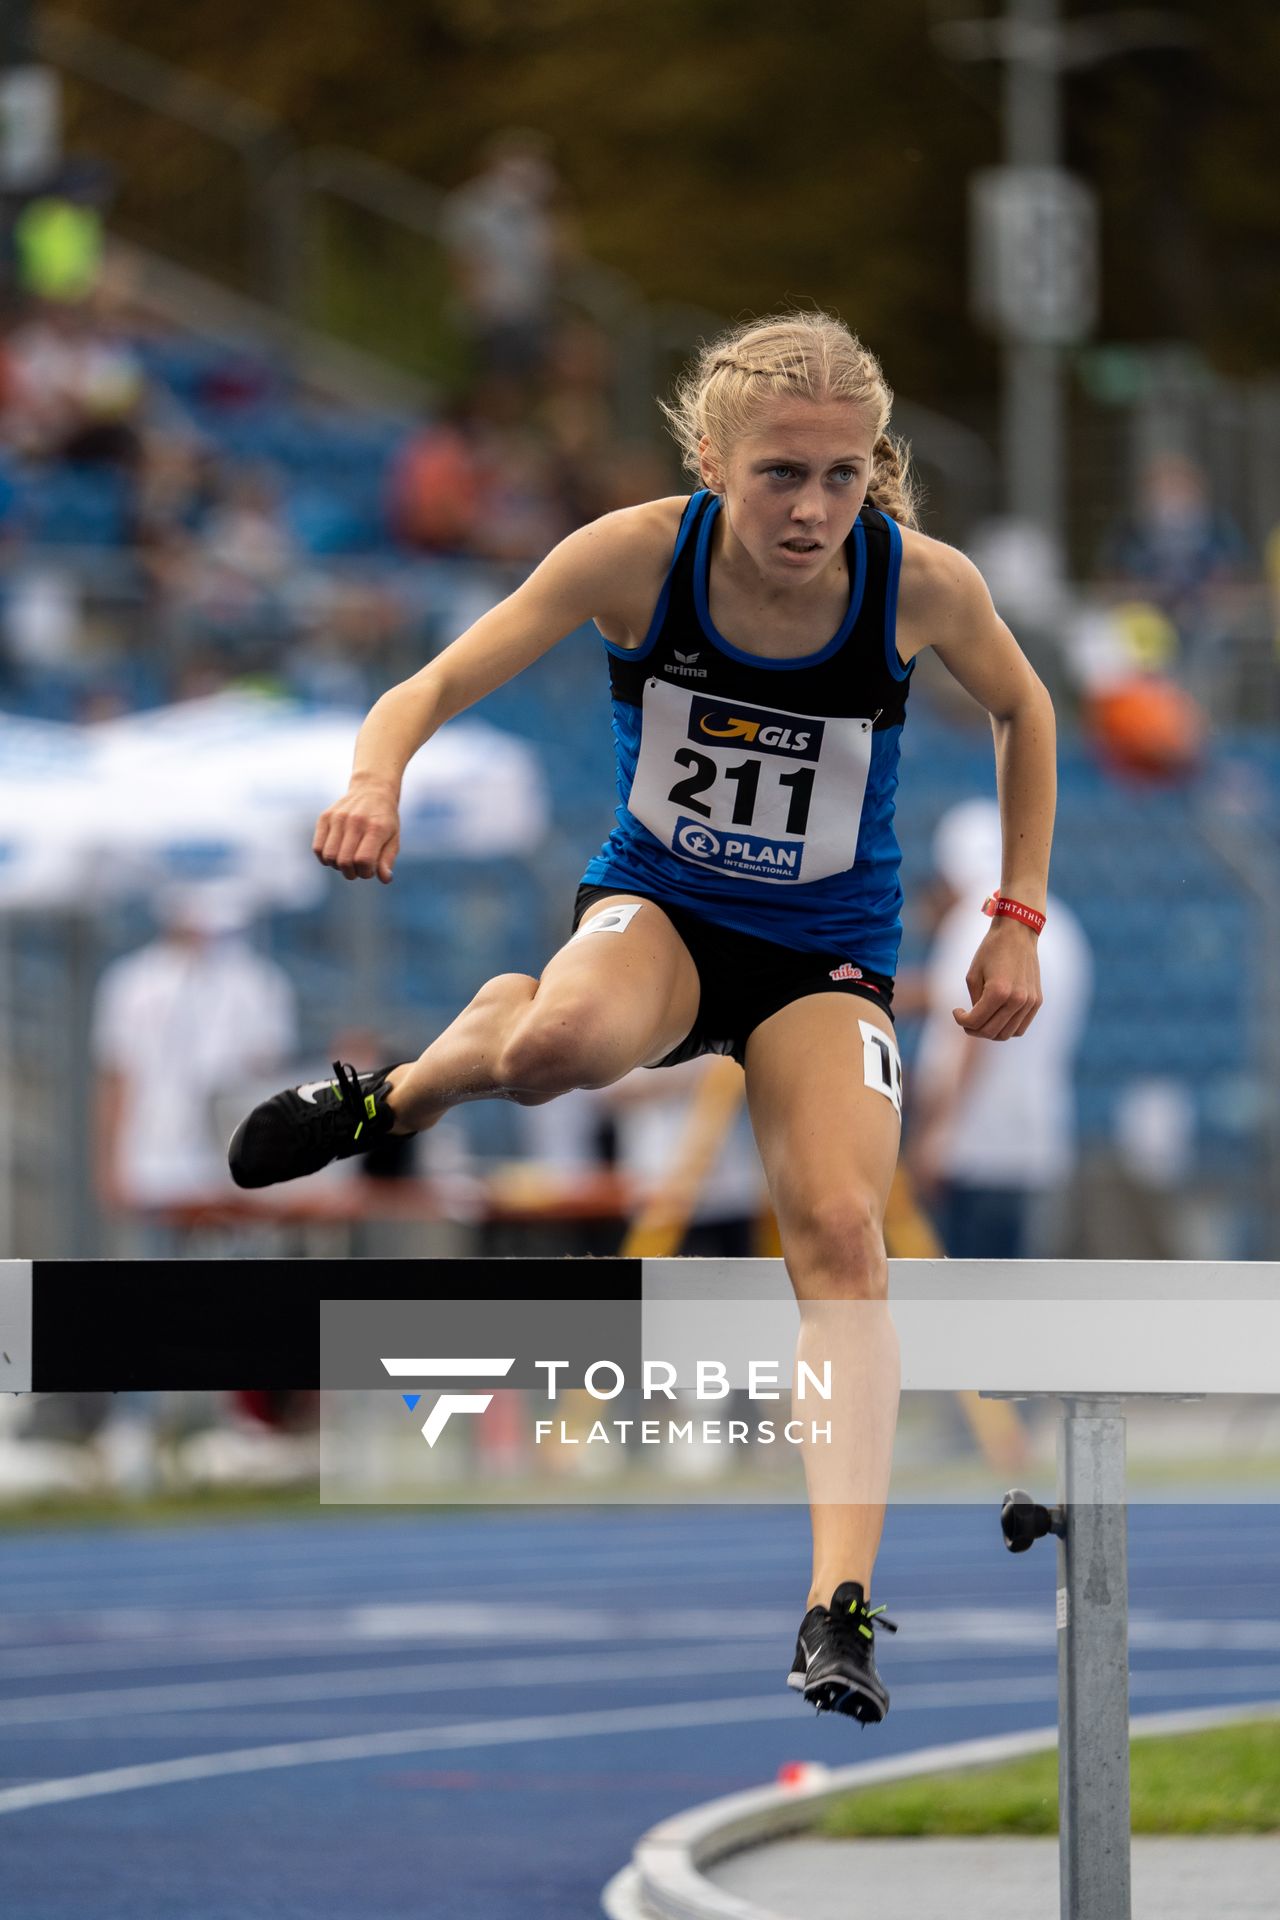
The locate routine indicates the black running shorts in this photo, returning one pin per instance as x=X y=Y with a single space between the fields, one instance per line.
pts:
x=745 y=979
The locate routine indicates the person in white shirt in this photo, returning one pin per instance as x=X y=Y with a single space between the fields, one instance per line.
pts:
x=198 y=994
x=993 y=1129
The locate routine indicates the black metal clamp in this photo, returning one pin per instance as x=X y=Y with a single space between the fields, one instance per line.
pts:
x=1023 y=1521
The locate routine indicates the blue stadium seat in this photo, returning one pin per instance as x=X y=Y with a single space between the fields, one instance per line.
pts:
x=77 y=507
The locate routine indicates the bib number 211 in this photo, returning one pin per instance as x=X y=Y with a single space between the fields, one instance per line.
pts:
x=746 y=778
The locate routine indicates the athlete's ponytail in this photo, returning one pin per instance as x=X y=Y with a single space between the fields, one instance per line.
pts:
x=892 y=487
x=812 y=356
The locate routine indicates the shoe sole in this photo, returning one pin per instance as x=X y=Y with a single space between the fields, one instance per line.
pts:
x=832 y=1696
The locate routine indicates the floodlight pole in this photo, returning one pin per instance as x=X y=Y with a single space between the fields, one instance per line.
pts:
x=1036 y=49
x=1031 y=406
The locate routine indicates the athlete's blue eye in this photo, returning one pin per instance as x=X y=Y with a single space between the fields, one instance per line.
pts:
x=845 y=475
x=788 y=471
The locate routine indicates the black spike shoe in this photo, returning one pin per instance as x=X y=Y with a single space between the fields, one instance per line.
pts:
x=835 y=1665
x=304 y=1128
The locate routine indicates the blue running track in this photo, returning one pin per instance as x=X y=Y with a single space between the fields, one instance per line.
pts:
x=473 y=1717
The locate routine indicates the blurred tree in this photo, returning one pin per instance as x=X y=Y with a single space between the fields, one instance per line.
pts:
x=729 y=153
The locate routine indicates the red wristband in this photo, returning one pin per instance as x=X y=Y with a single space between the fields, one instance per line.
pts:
x=1014 y=909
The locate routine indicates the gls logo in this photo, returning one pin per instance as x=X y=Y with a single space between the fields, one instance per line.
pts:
x=448 y=1369
x=795 y=736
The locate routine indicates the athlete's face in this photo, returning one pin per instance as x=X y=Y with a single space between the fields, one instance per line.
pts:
x=794 y=484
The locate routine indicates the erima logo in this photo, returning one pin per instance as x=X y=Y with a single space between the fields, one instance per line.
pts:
x=685 y=670
x=448 y=1403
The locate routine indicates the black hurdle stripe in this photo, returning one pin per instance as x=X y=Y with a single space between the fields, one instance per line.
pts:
x=149 y=1325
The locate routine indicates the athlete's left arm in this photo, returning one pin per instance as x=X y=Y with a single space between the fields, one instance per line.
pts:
x=944 y=603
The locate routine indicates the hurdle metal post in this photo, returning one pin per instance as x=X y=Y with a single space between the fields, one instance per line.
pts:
x=1093 y=1662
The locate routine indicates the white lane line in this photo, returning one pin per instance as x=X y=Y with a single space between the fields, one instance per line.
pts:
x=149 y=1638
x=468 y=1733
x=310 y=1540
x=117 y=1659
x=307 y=1544
x=532 y=1728
x=126 y=1704
x=402 y=1580
x=46 y=1583
x=448 y=1622
x=369 y=1683
x=313 y=1545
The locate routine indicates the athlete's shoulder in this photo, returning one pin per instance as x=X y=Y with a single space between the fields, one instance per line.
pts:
x=940 y=592
x=628 y=554
x=646 y=529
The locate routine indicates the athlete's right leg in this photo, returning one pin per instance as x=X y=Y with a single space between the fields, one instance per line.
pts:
x=622 y=992
x=608 y=1001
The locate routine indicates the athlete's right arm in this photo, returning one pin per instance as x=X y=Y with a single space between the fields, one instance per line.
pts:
x=603 y=570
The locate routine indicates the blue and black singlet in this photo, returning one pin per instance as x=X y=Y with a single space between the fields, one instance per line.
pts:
x=759 y=793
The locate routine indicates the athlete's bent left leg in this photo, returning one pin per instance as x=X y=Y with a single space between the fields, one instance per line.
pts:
x=619 y=996
x=823 y=1091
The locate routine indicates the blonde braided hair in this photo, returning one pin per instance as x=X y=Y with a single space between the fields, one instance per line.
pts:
x=811 y=356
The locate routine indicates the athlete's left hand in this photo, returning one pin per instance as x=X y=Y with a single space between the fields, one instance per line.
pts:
x=1003 y=983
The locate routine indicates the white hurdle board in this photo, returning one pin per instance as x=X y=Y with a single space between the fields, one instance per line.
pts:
x=1075 y=1327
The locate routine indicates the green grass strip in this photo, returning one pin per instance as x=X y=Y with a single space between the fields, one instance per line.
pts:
x=1220 y=1780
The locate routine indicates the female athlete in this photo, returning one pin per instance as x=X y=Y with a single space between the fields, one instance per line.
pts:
x=761 y=636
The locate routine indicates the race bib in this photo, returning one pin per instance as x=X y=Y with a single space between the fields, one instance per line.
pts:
x=747 y=790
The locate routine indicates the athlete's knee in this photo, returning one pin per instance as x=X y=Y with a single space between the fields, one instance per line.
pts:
x=556 y=1047
x=834 y=1244
x=505 y=989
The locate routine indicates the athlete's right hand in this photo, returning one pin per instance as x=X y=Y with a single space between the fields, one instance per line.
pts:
x=360 y=834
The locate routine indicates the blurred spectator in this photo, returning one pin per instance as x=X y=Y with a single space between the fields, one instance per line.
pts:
x=576 y=415
x=991 y=1124
x=239 y=581
x=1271 y=562
x=10 y=509
x=637 y=1125
x=437 y=487
x=176 y=488
x=1178 y=548
x=479 y=484
x=72 y=389
x=244 y=539
x=43 y=623
x=648 y=1111
x=193 y=1015
x=350 y=645
x=508 y=237
x=58 y=248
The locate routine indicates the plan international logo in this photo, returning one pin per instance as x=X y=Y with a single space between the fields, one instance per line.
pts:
x=604 y=1380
